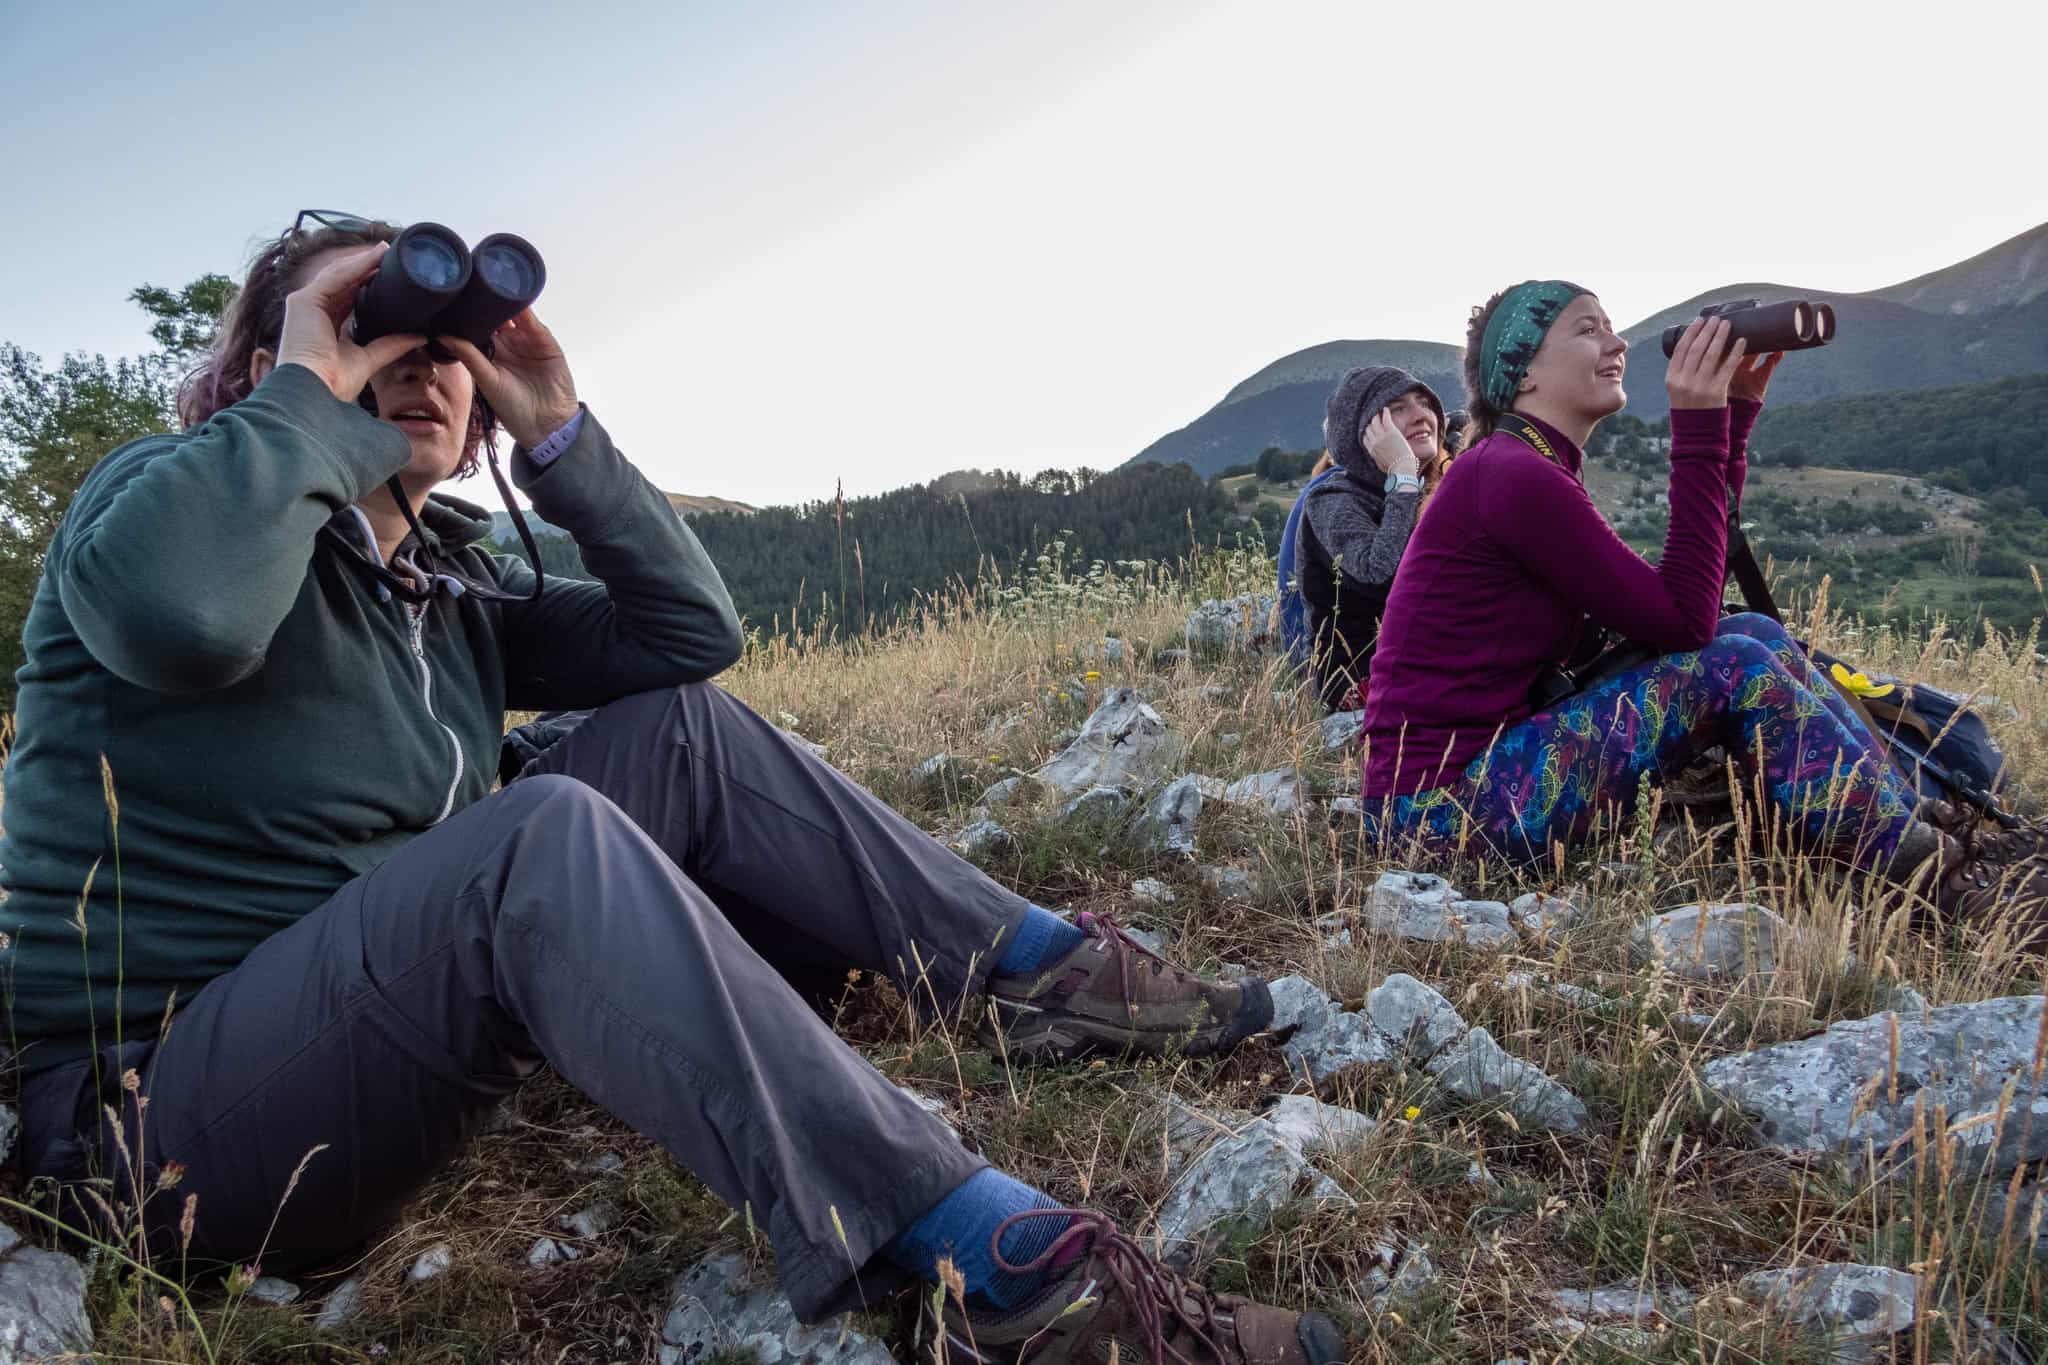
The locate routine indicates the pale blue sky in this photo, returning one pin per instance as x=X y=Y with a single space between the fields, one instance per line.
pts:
x=797 y=242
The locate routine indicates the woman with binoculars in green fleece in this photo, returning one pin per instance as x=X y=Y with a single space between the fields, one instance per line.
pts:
x=263 y=707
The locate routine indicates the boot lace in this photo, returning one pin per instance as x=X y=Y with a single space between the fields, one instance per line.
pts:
x=1102 y=925
x=1155 y=1299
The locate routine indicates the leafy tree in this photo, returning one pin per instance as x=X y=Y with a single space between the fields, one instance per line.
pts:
x=185 y=318
x=1279 y=466
x=57 y=422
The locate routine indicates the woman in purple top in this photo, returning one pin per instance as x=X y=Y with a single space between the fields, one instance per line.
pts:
x=1514 y=557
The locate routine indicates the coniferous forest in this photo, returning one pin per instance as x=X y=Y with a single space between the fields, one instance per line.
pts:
x=788 y=567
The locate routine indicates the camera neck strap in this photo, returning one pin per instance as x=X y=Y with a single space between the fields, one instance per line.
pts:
x=1523 y=430
x=1749 y=576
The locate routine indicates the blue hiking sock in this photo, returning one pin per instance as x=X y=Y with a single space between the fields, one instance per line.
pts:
x=1043 y=937
x=960 y=1226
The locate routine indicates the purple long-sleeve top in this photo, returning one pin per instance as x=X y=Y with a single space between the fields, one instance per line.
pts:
x=1511 y=555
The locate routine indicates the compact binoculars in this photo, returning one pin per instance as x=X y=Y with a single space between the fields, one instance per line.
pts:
x=1794 y=325
x=430 y=283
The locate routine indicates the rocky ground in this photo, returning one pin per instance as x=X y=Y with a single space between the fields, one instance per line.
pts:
x=1671 y=1098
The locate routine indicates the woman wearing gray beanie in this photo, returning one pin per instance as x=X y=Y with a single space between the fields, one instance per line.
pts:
x=1384 y=427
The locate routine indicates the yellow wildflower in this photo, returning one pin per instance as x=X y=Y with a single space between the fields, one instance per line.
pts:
x=1412 y=1113
x=1091 y=676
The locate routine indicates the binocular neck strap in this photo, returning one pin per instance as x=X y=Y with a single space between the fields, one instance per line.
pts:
x=518 y=519
x=420 y=533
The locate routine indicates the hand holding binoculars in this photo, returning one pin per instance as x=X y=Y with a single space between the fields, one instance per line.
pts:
x=1794 y=325
x=432 y=284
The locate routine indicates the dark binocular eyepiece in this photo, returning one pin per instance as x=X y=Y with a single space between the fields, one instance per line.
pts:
x=430 y=283
x=1794 y=325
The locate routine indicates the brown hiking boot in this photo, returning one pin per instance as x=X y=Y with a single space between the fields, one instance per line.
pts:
x=1983 y=892
x=1116 y=1304
x=1113 y=995
x=1986 y=837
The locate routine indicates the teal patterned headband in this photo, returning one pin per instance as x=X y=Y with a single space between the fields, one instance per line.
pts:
x=1514 y=333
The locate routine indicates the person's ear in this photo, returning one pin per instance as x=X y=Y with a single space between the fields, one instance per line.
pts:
x=262 y=361
x=1527 y=385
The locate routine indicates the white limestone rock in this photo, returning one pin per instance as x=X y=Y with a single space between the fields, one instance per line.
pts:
x=1241 y=623
x=1834 y=1092
x=1167 y=824
x=1123 y=743
x=42 y=1307
x=716 y=1307
x=1478 y=1068
x=1855 y=1308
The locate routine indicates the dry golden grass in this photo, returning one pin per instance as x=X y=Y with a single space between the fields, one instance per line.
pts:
x=1666 y=1188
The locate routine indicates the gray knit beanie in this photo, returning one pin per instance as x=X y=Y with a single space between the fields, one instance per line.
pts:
x=1358 y=398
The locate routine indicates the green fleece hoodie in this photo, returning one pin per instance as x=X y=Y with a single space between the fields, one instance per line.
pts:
x=274 y=725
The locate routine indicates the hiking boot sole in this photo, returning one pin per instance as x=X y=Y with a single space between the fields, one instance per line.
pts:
x=1033 y=1035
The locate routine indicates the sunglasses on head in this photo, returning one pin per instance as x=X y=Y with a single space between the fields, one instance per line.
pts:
x=329 y=218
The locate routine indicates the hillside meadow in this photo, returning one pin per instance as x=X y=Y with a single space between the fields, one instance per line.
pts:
x=1667 y=1188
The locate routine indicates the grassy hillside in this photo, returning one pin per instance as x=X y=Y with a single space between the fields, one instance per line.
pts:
x=1666 y=1189
x=1975 y=438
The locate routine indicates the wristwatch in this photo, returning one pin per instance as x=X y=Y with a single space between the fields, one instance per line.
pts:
x=1404 y=483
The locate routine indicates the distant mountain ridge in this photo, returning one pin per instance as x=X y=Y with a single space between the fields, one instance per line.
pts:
x=1881 y=347
x=1329 y=361
x=1981 y=319
x=2012 y=273
x=684 y=503
x=1282 y=405
x=704 y=502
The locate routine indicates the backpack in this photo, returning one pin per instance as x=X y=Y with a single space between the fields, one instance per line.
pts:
x=1941 y=746
x=1944 y=748
x=1293 y=609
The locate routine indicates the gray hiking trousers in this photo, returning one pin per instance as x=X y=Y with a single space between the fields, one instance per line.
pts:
x=599 y=914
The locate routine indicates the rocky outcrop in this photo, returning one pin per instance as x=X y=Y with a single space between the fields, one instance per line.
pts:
x=1167 y=824
x=1851 y=1085
x=1852 y=1308
x=1278 y=793
x=1123 y=743
x=1250 y=1168
x=1407 y=1022
x=1239 y=624
x=1719 y=943
x=42 y=1303
x=717 y=1308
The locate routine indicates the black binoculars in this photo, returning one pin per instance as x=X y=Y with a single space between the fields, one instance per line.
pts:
x=1794 y=325
x=430 y=283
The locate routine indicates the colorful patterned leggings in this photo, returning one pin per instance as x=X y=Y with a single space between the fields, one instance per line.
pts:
x=1751 y=690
